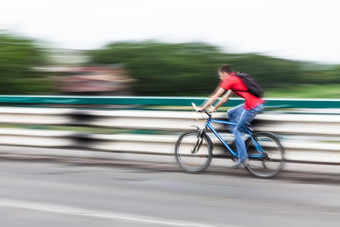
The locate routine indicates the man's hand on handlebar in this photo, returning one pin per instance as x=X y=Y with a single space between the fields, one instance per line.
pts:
x=200 y=109
x=212 y=109
x=203 y=110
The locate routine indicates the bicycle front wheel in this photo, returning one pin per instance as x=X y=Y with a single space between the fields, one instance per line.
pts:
x=272 y=160
x=193 y=152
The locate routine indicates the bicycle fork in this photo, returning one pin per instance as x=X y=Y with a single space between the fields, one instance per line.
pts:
x=199 y=140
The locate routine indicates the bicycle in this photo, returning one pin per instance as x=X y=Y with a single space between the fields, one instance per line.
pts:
x=193 y=150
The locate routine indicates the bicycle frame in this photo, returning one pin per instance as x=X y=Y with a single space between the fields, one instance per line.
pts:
x=233 y=153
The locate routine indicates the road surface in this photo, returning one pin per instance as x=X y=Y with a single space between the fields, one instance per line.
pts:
x=84 y=193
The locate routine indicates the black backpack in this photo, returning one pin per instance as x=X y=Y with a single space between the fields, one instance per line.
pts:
x=252 y=87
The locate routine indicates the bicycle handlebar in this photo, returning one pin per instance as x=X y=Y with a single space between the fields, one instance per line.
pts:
x=204 y=111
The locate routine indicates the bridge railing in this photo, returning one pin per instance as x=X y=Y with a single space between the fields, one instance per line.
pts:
x=308 y=136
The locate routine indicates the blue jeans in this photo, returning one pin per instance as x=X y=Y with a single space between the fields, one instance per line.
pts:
x=241 y=118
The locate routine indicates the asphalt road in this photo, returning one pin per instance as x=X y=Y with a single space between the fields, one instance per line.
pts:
x=81 y=193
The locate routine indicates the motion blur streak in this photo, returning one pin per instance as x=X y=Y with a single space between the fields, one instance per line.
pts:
x=45 y=207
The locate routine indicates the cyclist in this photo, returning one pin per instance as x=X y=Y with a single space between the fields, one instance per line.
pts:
x=240 y=115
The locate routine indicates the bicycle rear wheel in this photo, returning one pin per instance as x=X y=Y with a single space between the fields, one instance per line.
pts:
x=193 y=152
x=272 y=162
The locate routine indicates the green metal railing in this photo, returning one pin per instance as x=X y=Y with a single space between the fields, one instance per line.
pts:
x=156 y=101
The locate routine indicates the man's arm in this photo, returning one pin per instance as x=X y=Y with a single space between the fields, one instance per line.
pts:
x=224 y=99
x=213 y=98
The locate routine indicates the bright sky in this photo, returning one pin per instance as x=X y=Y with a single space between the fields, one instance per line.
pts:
x=294 y=29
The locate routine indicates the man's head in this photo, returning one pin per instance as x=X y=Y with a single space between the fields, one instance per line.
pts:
x=224 y=71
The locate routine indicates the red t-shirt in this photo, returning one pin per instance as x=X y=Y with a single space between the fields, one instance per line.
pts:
x=234 y=83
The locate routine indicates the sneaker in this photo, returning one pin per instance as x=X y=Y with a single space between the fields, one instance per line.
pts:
x=239 y=164
x=245 y=162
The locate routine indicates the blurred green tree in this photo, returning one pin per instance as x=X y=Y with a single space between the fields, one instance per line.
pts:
x=190 y=68
x=165 y=69
x=18 y=57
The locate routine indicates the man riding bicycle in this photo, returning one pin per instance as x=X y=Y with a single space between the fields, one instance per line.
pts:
x=241 y=115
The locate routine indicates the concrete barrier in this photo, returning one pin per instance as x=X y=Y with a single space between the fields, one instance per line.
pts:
x=306 y=137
